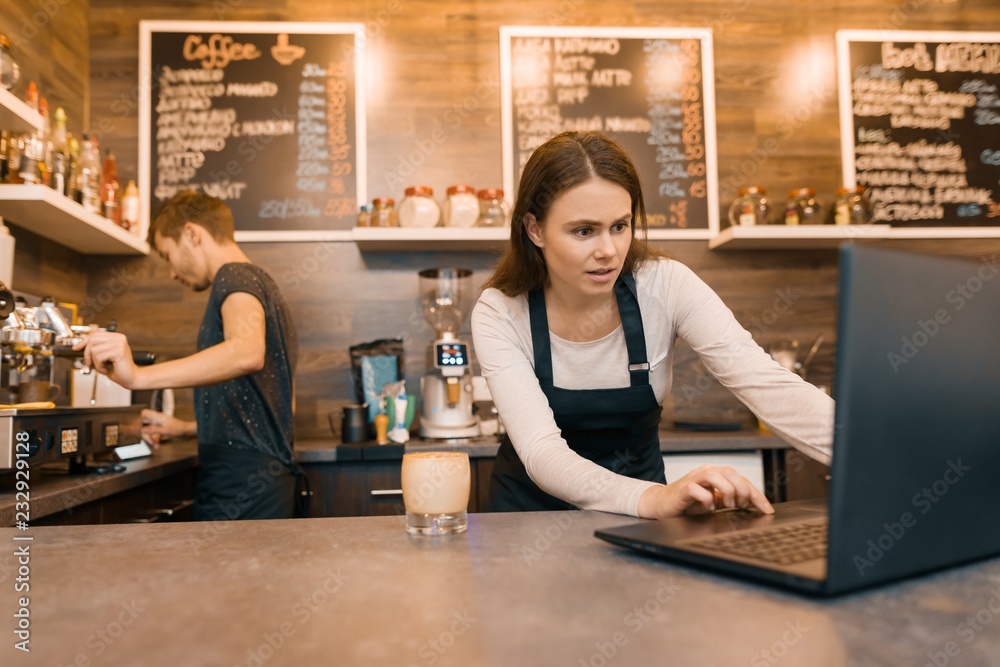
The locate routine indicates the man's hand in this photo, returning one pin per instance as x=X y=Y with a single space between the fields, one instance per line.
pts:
x=109 y=354
x=157 y=426
x=702 y=490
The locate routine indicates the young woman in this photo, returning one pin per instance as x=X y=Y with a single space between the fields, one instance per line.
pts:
x=575 y=333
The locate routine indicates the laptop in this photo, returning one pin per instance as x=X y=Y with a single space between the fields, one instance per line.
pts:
x=916 y=453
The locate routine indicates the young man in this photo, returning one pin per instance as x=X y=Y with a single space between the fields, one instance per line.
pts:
x=242 y=373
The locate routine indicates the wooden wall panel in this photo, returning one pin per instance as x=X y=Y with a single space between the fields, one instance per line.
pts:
x=435 y=64
x=49 y=41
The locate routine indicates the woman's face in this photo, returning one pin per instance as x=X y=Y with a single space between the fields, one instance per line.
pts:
x=585 y=237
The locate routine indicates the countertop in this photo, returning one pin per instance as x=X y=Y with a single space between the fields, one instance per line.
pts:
x=531 y=589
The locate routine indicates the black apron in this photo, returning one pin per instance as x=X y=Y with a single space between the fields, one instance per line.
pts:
x=615 y=428
x=236 y=484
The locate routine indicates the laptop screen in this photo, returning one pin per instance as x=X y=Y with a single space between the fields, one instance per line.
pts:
x=916 y=456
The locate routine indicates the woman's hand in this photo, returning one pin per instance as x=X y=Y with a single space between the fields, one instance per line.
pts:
x=157 y=426
x=702 y=490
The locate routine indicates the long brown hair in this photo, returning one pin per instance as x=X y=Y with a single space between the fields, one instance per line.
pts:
x=562 y=162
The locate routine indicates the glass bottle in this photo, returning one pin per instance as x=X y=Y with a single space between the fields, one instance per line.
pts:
x=461 y=207
x=31 y=95
x=15 y=145
x=130 y=207
x=59 y=165
x=750 y=207
x=73 y=169
x=32 y=166
x=802 y=208
x=384 y=213
x=852 y=207
x=45 y=163
x=5 y=137
x=90 y=174
x=9 y=71
x=418 y=208
x=109 y=188
x=493 y=211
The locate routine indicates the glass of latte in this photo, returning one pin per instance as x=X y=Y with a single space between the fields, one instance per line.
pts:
x=436 y=492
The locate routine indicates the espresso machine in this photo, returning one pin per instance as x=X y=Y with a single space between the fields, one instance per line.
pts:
x=446 y=389
x=36 y=363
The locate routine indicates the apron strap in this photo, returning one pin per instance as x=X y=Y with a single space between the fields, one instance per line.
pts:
x=628 y=310
x=635 y=337
x=540 y=337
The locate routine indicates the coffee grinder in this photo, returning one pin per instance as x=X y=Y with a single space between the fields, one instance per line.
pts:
x=446 y=389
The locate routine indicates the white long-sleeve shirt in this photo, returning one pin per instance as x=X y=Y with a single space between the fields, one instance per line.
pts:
x=673 y=302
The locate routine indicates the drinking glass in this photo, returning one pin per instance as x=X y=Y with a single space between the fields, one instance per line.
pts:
x=436 y=492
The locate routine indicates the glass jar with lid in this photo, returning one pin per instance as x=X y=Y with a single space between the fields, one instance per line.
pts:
x=9 y=71
x=365 y=215
x=418 y=208
x=802 y=208
x=461 y=207
x=750 y=207
x=852 y=207
x=493 y=210
x=383 y=213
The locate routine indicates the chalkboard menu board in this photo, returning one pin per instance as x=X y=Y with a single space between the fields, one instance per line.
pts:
x=268 y=117
x=652 y=89
x=920 y=124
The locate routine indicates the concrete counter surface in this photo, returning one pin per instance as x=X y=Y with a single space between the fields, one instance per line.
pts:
x=517 y=589
x=325 y=450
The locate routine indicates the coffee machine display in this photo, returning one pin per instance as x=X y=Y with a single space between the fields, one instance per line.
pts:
x=446 y=389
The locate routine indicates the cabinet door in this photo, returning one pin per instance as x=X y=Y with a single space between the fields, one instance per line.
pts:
x=366 y=488
x=355 y=488
x=805 y=478
x=166 y=499
x=480 y=484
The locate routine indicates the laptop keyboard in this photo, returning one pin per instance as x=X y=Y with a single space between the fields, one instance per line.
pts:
x=782 y=545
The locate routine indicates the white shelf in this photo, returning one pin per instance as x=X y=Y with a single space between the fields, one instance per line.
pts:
x=16 y=115
x=475 y=238
x=812 y=237
x=661 y=234
x=944 y=233
x=299 y=236
x=430 y=239
x=43 y=211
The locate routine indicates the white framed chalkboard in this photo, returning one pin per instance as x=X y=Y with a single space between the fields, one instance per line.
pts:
x=652 y=89
x=269 y=117
x=920 y=124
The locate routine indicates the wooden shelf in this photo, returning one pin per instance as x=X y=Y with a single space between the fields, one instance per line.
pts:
x=43 y=211
x=16 y=115
x=812 y=237
x=430 y=239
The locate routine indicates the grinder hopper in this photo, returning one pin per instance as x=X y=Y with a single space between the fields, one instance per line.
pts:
x=446 y=389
